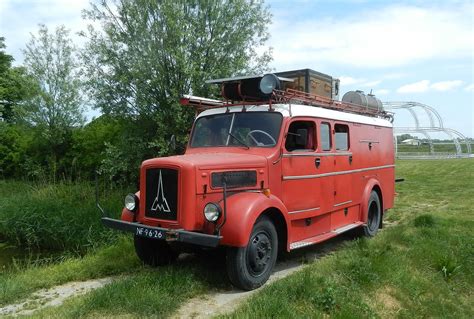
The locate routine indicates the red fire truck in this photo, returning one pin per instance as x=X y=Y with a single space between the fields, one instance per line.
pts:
x=280 y=163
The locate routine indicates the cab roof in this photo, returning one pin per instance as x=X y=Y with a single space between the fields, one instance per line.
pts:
x=293 y=110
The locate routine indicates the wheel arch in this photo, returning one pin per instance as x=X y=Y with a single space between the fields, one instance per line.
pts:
x=277 y=218
x=378 y=190
x=243 y=211
x=372 y=185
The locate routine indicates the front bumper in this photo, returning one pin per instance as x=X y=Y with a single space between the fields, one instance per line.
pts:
x=158 y=233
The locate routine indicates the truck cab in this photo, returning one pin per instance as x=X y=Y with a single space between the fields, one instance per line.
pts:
x=275 y=172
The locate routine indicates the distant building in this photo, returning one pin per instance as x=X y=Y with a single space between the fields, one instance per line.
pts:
x=411 y=141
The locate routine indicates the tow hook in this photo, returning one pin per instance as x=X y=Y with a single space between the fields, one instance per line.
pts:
x=171 y=235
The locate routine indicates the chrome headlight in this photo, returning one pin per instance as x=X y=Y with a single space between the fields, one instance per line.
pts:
x=131 y=202
x=212 y=212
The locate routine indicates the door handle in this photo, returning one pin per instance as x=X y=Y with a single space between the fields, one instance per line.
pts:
x=350 y=159
x=317 y=162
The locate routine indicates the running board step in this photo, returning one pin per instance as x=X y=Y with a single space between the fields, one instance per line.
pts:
x=323 y=237
x=347 y=227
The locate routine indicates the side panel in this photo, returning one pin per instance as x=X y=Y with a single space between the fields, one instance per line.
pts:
x=346 y=177
x=375 y=156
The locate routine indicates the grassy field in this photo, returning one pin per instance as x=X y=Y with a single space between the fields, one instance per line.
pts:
x=419 y=267
x=437 y=148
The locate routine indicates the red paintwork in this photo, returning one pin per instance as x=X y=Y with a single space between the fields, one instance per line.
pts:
x=326 y=193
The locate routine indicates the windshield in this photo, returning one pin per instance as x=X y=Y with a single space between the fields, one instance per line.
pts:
x=247 y=129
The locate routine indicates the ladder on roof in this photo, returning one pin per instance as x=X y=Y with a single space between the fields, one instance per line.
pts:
x=287 y=97
x=291 y=95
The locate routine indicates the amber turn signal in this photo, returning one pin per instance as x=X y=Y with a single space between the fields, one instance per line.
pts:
x=266 y=192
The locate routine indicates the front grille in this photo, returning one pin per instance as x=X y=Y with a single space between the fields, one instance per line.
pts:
x=161 y=193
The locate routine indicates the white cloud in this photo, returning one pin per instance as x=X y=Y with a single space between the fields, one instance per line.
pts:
x=384 y=37
x=371 y=84
x=446 y=85
x=360 y=82
x=20 y=18
x=425 y=85
x=394 y=76
x=381 y=91
x=347 y=80
x=417 y=87
x=469 y=88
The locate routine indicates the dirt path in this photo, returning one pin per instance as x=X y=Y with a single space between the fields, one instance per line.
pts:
x=53 y=297
x=222 y=302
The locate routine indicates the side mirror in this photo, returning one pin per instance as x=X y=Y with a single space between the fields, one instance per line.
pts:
x=172 y=142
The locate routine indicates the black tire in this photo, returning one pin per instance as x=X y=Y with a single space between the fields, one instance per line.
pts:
x=250 y=267
x=154 y=252
x=374 y=215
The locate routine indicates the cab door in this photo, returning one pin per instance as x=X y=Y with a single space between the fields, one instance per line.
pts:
x=298 y=165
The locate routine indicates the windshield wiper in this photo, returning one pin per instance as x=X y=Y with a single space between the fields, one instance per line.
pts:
x=239 y=140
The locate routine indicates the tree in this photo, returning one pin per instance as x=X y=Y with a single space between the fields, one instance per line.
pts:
x=150 y=52
x=14 y=85
x=57 y=105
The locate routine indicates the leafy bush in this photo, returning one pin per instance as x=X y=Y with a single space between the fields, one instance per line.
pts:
x=14 y=142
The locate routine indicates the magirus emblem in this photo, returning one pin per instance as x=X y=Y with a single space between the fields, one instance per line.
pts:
x=160 y=203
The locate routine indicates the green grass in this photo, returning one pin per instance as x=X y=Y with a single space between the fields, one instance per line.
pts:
x=437 y=148
x=55 y=217
x=138 y=291
x=422 y=267
x=148 y=294
x=118 y=258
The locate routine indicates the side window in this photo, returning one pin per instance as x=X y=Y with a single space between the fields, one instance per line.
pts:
x=301 y=136
x=325 y=136
x=341 y=137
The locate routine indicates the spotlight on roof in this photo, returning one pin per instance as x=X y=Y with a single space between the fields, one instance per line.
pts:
x=268 y=83
x=250 y=88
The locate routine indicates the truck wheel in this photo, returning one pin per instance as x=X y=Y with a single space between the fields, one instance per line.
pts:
x=154 y=252
x=250 y=267
x=374 y=214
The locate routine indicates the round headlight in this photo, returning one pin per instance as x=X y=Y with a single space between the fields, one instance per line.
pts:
x=131 y=202
x=212 y=212
x=268 y=83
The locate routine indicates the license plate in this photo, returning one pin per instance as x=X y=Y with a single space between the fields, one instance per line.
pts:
x=150 y=233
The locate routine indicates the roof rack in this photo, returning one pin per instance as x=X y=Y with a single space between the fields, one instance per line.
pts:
x=291 y=95
x=287 y=97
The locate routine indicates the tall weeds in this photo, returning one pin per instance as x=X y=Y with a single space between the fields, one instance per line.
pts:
x=60 y=216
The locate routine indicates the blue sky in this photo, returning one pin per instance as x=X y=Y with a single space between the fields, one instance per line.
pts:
x=404 y=51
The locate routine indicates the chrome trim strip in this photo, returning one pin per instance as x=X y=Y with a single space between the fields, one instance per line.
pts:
x=300 y=244
x=369 y=141
x=336 y=173
x=317 y=154
x=346 y=228
x=304 y=210
x=343 y=203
